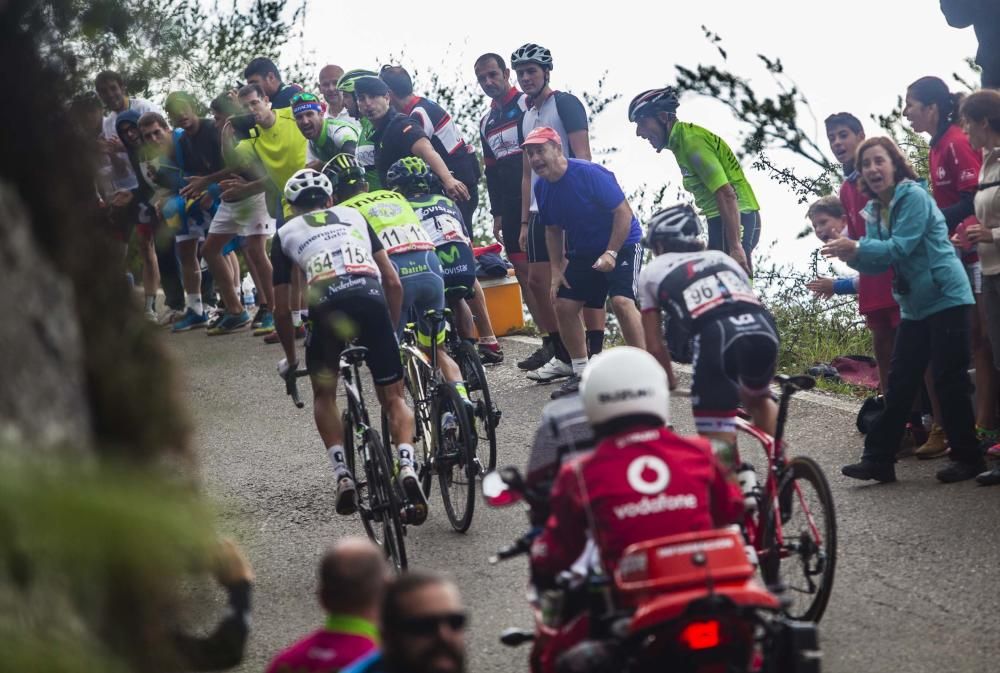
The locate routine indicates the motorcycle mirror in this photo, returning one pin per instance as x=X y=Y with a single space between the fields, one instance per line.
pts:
x=515 y=637
x=497 y=492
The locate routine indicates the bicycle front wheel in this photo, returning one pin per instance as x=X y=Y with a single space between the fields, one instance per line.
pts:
x=353 y=452
x=486 y=416
x=454 y=458
x=385 y=503
x=806 y=557
x=415 y=383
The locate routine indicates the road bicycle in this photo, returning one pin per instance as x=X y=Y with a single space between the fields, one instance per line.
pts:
x=382 y=505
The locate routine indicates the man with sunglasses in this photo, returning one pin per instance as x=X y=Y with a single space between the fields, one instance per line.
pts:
x=422 y=628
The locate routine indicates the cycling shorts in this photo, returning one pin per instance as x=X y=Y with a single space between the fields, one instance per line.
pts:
x=537 y=252
x=458 y=268
x=733 y=354
x=347 y=309
x=510 y=227
x=749 y=234
x=593 y=287
x=423 y=290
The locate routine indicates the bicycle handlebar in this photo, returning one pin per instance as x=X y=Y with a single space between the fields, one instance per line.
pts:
x=291 y=385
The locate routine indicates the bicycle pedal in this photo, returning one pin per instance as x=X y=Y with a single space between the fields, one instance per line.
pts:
x=413 y=515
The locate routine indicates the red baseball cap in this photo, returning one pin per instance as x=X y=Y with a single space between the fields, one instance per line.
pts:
x=542 y=135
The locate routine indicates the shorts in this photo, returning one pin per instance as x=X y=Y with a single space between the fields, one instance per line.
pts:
x=423 y=290
x=247 y=217
x=186 y=220
x=883 y=319
x=733 y=354
x=145 y=220
x=537 y=252
x=594 y=287
x=975 y=273
x=458 y=268
x=352 y=309
x=749 y=233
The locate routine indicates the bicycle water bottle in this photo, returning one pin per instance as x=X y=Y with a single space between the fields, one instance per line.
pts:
x=747 y=478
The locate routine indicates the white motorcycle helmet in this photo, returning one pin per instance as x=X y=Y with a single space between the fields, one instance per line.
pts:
x=624 y=381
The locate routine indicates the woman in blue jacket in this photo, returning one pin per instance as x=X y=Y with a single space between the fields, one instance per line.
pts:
x=906 y=231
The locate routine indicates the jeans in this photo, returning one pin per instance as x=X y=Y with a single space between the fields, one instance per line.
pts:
x=943 y=339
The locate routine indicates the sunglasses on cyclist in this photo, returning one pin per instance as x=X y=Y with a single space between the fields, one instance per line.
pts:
x=431 y=624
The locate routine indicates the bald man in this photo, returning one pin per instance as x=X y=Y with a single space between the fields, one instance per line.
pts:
x=352 y=579
x=328 y=78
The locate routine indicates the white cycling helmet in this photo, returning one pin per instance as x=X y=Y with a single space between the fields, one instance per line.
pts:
x=305 y=183
x=624 y=381
x=531 y=53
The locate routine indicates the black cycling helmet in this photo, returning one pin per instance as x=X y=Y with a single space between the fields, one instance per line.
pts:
x=348 y=79
x=410 y=175
x=344 y=171
x=678 y=223
x=653 y=101
x=531 y=53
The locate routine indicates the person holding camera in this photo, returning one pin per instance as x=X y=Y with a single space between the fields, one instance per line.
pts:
x=906 y=231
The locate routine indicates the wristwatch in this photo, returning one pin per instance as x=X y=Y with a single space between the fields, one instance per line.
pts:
x=614 y=254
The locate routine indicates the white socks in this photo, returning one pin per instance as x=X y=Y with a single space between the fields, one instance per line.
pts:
x=151 y=303
x=296 y=318
x=336 y=455
x=578 y=364
x=405 y=455
x=194 y=303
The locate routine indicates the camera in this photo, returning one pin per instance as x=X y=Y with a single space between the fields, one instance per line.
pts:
x=243 y=124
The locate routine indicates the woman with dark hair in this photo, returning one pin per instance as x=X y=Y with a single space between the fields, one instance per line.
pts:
x=981 y=119
x=905 y=231
x=954 y=173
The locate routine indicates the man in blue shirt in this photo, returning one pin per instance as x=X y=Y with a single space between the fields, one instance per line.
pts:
x=592 y=239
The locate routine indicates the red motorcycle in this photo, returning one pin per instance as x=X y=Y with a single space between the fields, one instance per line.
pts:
x=688 y=603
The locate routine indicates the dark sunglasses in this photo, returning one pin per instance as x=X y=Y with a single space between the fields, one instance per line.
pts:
x=431 y=624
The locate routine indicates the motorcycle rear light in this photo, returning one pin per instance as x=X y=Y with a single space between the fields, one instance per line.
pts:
x=701 y=635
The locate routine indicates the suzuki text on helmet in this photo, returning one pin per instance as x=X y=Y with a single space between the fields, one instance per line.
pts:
x=624 y=386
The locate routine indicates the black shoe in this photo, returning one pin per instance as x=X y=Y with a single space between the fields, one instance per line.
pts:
x=989 y=478
x=544 y=353
x=960 y=470
x=868 y=469
x=570 y=386
x=490 y=354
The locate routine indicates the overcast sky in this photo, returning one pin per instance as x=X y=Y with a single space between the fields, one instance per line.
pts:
x=854 y=55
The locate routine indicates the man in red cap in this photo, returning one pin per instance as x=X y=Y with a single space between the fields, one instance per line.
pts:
x=592 y=239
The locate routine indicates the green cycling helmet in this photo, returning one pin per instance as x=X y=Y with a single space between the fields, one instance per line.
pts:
x=344 y=171
x=410 y=175
x=346 y=82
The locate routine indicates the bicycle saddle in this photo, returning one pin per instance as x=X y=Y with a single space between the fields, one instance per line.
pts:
x=354 y=354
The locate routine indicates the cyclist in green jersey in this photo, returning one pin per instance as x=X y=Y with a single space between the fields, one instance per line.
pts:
x=346 y=86
x=327 y=136
x=710 y=170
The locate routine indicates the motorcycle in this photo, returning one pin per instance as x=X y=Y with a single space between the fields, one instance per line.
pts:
x=689 y=603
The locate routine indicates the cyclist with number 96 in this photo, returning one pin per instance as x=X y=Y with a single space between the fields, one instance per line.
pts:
x=733 y=337
x=343 y=262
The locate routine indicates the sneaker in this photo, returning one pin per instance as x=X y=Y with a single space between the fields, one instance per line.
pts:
x=989 y=478
x=263 y=322
x=866 y=470
x=151 y=316
x=191 y=320
x=272 y=338
x=170 y=316
x=553 y=369
x=347 y=496
x=216 y=318
x=960 y=470
x=993 y=451
x=936 y=445
x=490 y=354
x=570 y=386
x=230 y=323
x=410 y=483
x=537 y=359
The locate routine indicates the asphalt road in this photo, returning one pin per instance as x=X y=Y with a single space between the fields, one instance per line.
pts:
x=917 y=586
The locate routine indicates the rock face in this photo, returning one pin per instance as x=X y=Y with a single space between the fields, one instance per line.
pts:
x=43 y=394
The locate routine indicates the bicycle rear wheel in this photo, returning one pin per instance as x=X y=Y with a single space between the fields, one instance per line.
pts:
x=386 y=506
x=485 y=415
x=807 y=556
x=454 y=458
x=415 y=381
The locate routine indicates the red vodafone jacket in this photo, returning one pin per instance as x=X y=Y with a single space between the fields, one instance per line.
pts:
x=639 y=485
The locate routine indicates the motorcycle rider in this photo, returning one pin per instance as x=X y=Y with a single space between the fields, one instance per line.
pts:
x=641 y=482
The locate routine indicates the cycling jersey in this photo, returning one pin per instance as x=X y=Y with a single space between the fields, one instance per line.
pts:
x=696 y=287
x=447 y=140
x=392 y=219
x=328 y=245
x=635 y=486
x=335 y=134
x=501 y=133
x=344 y=640
x=560 y=111
x=281 y=150
x=954 y=172
x=443 y=223
x=707 y=164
